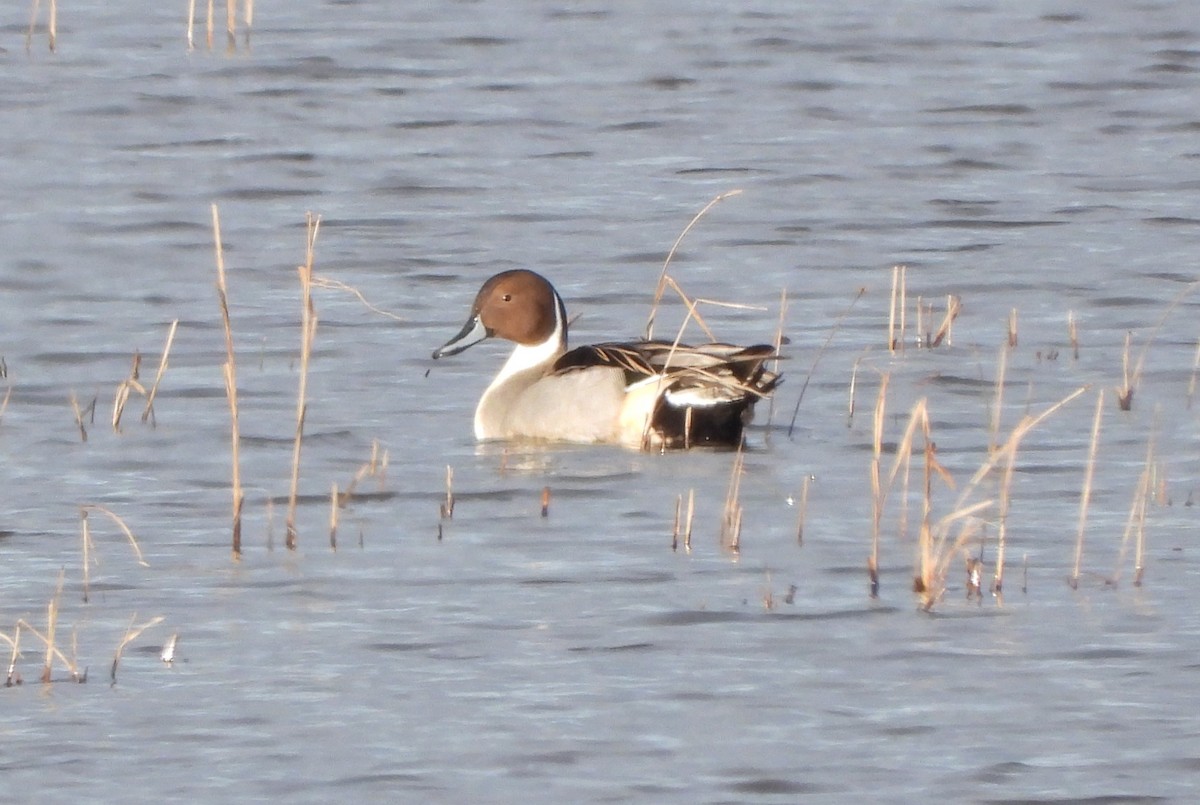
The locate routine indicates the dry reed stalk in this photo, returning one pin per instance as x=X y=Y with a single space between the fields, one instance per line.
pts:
x=821 y=352
x=974 y=578
x=731 y=519
x=52 y=651
x=687 y=530
x=231 y=24
x=898 y=308
x=33 y=16
x=167 y=655
x=661 y=287
x=338 y=285
x=51 y=628
x=945 y=331
x=1190 y=394
x=997 y=400
x=51 y=27
x=308 y=332
x=86 y=538
x=4 y=402
x=132 y=633
x=78 y=417
x=675 y=528
x=1012 y=328
x=209 y=23
x=447 y=507
x=148 y=411
x=374 y=467
x=1125 y=395
x=1005 y=500
x=122 y=395
x=1135 y=524
x=693 y=313
x=1128 y=384
x=778 y=343
x=803 y=513
x=333 y=515
x=229 y=370
x=943 y=550
x=1073 y=334
x=545 y=501
x=191 y=24
x=878 y=497
x=1085 y=495
x=125 y=529
x=853 y=386
x=14 y=676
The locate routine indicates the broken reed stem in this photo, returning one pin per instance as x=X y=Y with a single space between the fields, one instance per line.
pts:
x=148 y=412
x=817 y=360
x=191 y=24
x=229 y=369
x=661 y=287
x=1085 y=495
x=308 y=331
x=1012 y=328
x=803 y=510
x=208 y=25
x=447 y=507
x=545 y=501
x=131 y=634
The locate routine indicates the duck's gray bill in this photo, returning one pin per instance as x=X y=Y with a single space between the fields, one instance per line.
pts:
x=472 y=333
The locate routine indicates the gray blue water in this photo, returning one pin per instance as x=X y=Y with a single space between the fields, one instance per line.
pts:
x=1041 y=157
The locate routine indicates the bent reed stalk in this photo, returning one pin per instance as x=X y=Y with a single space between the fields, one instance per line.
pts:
x=308 y=332
x=229 y=369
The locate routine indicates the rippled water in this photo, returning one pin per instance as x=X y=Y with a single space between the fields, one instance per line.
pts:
x=1037 y=157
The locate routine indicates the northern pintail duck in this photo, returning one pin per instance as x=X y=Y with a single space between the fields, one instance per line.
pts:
x=646 y=394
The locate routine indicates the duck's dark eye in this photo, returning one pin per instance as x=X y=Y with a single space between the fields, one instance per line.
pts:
x=507 y=297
